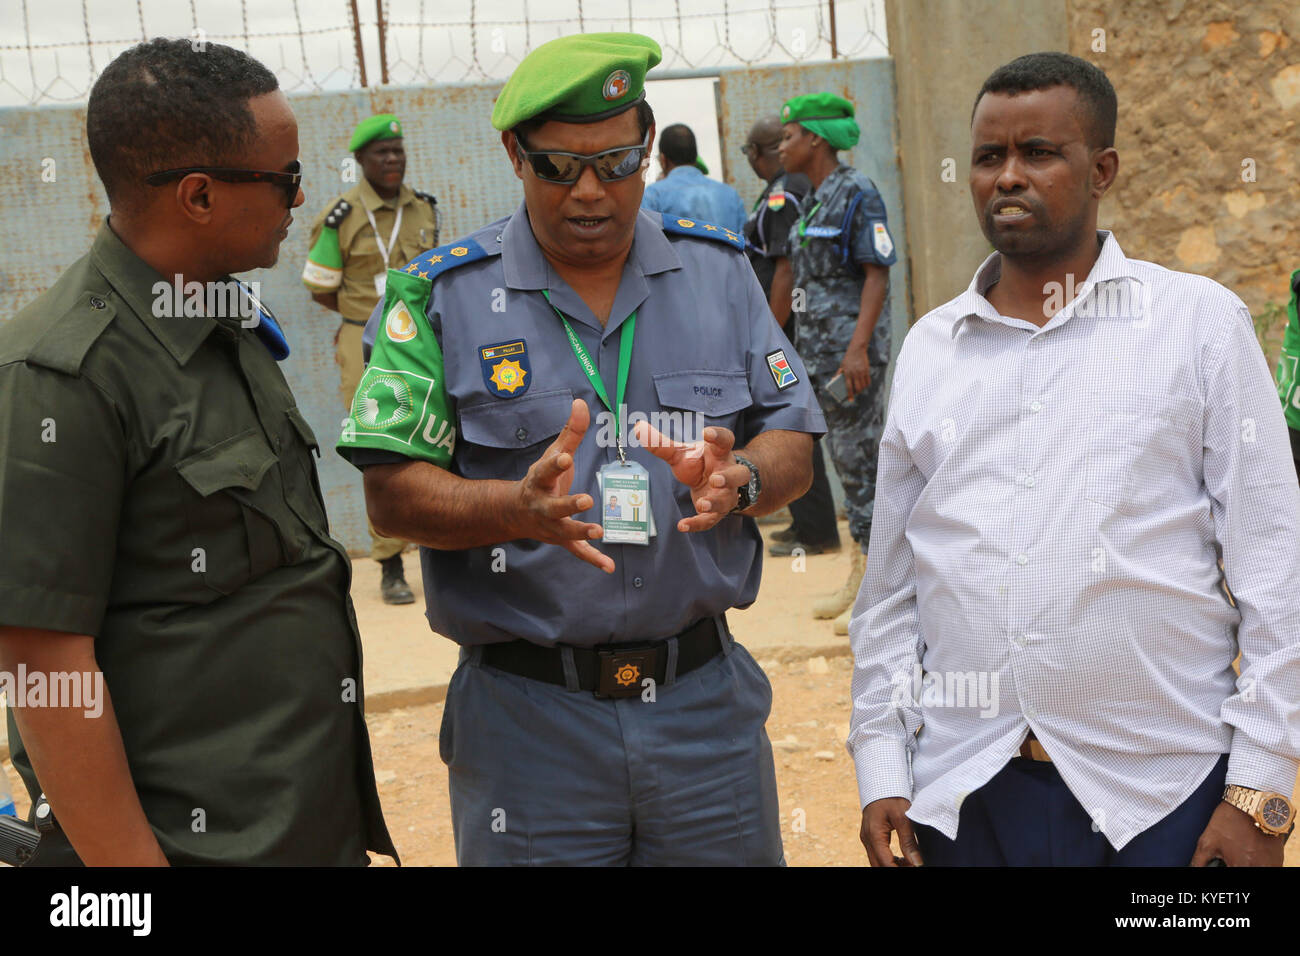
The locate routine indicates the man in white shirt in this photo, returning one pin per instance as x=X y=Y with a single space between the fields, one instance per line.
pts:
x=1075 y=446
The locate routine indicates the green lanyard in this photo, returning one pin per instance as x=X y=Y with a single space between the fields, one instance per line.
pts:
x=626 y=335
x=803 y=224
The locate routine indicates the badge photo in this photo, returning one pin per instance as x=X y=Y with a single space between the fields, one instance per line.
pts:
x=507 y=371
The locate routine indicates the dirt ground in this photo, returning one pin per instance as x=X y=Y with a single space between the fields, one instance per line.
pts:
x=807 y=664
x=813 y=770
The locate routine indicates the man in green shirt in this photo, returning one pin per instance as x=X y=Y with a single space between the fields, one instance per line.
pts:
x=165 y=536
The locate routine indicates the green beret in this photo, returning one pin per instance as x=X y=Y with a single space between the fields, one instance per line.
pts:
x=826 y=115
x=582 y=78
x=383 y=126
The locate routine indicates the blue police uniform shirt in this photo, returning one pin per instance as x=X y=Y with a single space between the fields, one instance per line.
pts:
x=686 y=193
x=707 y=352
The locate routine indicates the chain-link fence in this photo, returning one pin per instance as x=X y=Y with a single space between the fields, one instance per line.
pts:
x=52 y=50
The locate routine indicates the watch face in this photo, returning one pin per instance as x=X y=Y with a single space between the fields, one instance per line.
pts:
x=1276 y=813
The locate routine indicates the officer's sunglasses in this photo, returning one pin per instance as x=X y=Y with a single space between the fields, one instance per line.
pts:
x=753 y=149
x=288 y=179
x=611 y=165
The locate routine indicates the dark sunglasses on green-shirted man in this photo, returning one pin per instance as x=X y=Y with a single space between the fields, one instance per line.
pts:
x=287 y=179
x=611 y=165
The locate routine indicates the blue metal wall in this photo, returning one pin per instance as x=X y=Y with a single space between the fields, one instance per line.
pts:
x=452 y=151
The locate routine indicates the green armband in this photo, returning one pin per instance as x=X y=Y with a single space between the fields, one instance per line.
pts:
x=401 y=404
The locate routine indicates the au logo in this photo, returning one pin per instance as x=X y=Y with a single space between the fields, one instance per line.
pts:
x=616 y=85
x=399 y=324
x=627 y=675
x=507 y=372
x=460 y=251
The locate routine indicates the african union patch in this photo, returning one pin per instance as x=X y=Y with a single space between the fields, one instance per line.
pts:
x=384 y=400
x=507 y=371
x=399 y=325
x=781 y=371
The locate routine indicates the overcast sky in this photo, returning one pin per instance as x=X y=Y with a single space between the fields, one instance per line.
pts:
x=310 y=43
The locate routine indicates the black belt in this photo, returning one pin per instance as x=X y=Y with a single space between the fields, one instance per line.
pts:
x=611 y=670
x=360 y=322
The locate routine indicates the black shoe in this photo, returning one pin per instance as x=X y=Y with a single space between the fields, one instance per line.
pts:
x=392 y=584
x=784 y=549
x=785 y=534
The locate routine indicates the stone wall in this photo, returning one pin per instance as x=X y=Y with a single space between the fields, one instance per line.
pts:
x=1209 y=138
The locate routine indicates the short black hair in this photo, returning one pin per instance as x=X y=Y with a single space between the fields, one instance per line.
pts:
x=645 y=118
x=1039 y=71
x=677 y=142
x=166 y=104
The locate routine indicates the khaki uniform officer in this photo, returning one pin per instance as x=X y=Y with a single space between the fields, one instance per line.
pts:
x=380 y=222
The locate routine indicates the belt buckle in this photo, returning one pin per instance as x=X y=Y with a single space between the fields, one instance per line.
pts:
x=622 y=670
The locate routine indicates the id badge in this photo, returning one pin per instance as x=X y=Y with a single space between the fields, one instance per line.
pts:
x=625 y=503
x=380 y=281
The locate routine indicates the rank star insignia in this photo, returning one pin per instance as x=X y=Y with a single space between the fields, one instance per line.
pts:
x=508 y=375
x=710 y=228
x=627 y=675
x=435 y=259
x=411 y=268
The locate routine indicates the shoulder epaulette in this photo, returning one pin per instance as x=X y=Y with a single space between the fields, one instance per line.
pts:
x=427 y=197
x=64 y=345
x=335 y=216
x=435 y=262
x=703 y=230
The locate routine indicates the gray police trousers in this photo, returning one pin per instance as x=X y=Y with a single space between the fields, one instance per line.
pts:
x=540 y=775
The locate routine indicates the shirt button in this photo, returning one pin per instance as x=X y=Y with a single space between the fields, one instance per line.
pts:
x=637 y=582
x=1021 y=640
x=1022 y=560
x=1029 y=481
x=521 y=433
x=1035 y=407
x=1030 y=712
x=96 y=302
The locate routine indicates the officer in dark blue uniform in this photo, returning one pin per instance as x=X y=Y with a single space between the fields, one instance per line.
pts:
x=521 y=380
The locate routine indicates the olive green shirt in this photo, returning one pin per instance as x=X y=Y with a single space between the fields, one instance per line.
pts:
x=361 y=258
x=158 y=491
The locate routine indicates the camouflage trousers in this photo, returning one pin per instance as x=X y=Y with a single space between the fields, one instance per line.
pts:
x=853 y=439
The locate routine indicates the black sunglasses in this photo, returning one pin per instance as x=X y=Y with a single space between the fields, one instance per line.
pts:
x=287 y=180
x=611 y=165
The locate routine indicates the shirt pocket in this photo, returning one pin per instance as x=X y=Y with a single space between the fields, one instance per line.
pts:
x=236 y=511
x=699 y=398
x=501 y=439
x=1137 y=450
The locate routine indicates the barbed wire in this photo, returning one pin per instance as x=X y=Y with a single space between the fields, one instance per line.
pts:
x=448 y=41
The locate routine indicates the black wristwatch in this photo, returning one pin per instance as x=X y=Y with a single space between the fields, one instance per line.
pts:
x=748 y=492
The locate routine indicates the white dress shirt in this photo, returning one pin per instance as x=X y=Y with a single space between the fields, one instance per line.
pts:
x=1051 y=507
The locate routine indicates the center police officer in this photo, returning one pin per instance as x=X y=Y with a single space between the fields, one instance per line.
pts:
x=472 y=424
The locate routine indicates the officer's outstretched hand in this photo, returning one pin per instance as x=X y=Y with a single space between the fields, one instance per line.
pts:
x=707 y=467
x=882 y=817
x=545 y=503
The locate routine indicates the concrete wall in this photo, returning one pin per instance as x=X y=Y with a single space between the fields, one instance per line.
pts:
x=1203 y=89
x=452 y=151
x=943 y=50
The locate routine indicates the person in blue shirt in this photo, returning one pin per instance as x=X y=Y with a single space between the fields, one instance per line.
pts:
x=684 y=191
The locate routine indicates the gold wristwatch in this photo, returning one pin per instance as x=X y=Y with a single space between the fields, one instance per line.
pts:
x=1272 y=812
